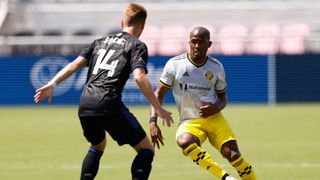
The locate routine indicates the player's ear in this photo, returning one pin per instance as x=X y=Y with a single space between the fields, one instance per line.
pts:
x=122 y=23
x=143 y=24
x=209 y=45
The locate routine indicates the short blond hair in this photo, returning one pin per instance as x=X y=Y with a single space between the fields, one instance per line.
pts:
x=134 y=14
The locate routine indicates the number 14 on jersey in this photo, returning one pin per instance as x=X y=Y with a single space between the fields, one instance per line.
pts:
x=102 y=62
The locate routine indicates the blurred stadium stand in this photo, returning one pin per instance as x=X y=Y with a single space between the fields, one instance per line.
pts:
x=233 y=39
x=265 y=39
x=151 y=36
x=237 y=27
x=293 y=38
x=173 y=39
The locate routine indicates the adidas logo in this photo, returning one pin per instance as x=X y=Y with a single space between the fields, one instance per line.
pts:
x=185 y=74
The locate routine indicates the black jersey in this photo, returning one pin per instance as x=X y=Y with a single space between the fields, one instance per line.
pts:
x=111 y=60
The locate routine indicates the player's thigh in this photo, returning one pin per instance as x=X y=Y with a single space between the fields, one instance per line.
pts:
x=219 y=131
x=124 y=127
x=93 y=129
x=194 y=127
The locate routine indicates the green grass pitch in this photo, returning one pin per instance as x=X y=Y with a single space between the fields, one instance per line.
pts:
x=46 y=143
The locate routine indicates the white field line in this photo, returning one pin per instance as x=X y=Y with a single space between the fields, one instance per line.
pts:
x=180 y=166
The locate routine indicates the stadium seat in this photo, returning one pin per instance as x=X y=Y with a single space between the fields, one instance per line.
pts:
x=52 y=49
x=265 y=39
x=173 y=39
x=293 y=37
x=113 y=30
x=23 y=49
x=25 y=33
x=52 y=33
x=232 y=39
x=83 y=32
x=150 y=36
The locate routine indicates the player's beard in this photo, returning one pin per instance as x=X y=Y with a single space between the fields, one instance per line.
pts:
x=197 y=56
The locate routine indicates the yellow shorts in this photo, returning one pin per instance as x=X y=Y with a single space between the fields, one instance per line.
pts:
x=215 y=128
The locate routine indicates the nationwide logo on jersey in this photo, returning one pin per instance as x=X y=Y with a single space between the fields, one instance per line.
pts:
x=209 y=75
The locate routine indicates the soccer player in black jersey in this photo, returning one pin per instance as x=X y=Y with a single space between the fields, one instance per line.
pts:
x=111 y=60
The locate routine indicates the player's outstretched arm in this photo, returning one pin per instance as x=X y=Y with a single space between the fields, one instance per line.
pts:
x=145 y=87
x=46 y=91
x=160 y=93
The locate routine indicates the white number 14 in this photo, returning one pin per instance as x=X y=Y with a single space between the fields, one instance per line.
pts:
x=102 y=62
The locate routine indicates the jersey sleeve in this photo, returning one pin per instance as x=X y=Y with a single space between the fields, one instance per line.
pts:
x=167 y=76
x=88 y=51
x=221 y=84
x=139 y=57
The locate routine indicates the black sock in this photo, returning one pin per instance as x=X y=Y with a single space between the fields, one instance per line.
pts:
x=90 y=165
x=141 y=165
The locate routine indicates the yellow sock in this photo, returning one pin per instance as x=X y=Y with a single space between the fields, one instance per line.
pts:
x=244 y=169
x=204 y=159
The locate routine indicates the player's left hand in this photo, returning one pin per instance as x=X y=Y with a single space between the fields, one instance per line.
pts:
x=208 y=109
x=45 y=91
x=156 y=135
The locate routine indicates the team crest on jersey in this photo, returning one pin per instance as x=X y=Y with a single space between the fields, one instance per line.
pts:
x=209 y=75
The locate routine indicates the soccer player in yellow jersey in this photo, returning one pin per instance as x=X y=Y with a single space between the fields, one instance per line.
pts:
x=199 y=89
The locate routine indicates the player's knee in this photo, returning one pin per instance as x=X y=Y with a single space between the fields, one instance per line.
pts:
x=232 y=155
x=100 y=146
x=230 y=151
x=183 y=143
x=186 y=139
x=144 y=144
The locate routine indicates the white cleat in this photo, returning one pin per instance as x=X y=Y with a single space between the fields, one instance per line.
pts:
x=230 y=178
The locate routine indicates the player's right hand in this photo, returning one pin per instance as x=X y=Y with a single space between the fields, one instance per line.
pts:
x=45 y=91
x=156 y=135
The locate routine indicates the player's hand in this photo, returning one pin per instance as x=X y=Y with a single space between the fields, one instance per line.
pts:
x=45 y=91
x=208 y=109
x=166 y=117
x=156 y=135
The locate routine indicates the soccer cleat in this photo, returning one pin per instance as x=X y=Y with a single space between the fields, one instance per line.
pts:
x=229 y=177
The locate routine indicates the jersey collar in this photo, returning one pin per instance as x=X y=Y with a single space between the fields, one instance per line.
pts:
x=195 y=64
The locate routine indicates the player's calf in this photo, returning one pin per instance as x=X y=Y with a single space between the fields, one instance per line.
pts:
x=142 y=164
x=90 y=165
x=244 y=169
x=204 y=159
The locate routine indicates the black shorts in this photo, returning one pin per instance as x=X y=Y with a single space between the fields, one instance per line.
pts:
x=122 y=126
